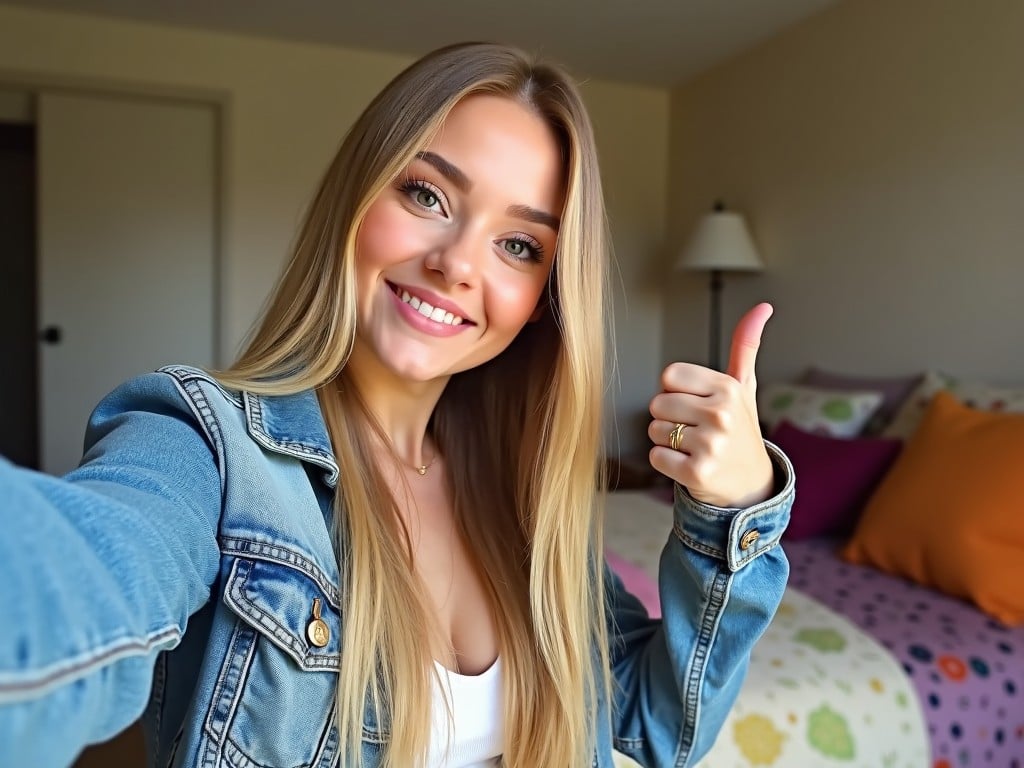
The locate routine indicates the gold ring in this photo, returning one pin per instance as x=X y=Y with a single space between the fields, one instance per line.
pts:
x=675 y=437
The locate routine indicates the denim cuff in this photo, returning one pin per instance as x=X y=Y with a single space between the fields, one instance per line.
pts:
x=735 y=535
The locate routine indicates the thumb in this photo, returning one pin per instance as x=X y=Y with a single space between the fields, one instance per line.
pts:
x=746 y=340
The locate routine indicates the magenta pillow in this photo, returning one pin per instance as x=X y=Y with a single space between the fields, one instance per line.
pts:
x=834 y=478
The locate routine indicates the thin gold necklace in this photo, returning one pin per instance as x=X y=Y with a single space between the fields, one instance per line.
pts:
x=422 y=468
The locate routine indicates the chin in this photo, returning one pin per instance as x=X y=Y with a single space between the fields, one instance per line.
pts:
x=417 y=371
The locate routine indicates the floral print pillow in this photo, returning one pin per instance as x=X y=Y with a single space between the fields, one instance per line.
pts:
x=836 y=413
x=974 y=394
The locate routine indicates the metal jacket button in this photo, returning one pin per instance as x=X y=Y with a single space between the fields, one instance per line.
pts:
x=748 y=538
x=317 y=631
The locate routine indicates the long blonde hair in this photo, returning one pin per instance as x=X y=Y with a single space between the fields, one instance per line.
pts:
x=523 y=430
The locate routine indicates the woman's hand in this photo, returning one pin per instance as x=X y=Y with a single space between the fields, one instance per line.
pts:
x=719 y=456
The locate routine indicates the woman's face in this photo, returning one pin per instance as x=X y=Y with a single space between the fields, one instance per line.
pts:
x=453 y=257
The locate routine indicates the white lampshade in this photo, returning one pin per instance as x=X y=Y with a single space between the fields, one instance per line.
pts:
x=720 y=241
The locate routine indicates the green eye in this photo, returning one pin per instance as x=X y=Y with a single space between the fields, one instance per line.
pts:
x=521 y=250
x=423 y=195
x=426 y=198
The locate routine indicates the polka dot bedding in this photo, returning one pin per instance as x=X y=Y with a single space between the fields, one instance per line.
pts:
x=967 y=669
x=820 y=691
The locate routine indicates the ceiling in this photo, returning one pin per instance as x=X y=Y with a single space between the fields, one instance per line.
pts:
x=652 y=42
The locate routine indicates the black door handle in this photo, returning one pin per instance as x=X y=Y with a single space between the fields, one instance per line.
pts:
x=51 y=334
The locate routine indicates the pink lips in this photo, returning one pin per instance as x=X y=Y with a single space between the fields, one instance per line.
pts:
x=433 y=300
x=425 y=324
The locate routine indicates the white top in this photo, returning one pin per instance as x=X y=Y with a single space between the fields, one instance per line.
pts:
x=477 y=724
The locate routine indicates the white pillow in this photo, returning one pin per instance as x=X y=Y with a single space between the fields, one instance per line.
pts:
x=832 y=412
x=975 y=394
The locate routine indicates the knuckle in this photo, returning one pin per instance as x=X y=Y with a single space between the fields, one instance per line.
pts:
x=719 y=418
x=700 y=472
x=657 y=403
x=725 y=418
x=654 y=456
x=713 y=418
x=666 y=461
x=751 y=342
x=732 y=389
x=668 y=375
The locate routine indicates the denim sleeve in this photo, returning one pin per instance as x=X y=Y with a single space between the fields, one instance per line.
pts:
x=100 y=570
x=721 y=578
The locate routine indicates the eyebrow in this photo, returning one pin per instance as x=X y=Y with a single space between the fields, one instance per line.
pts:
x=461 y=180
x=536 y=216
x=446 y=169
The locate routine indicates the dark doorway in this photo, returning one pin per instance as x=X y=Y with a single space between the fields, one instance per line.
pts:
x=19 y=377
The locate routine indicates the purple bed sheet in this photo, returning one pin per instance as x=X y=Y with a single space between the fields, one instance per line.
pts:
x=968 y=669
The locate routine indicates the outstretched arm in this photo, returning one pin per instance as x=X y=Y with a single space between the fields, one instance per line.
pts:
x=100 y=570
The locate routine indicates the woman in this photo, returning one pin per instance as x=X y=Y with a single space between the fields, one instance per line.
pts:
x=373 y=540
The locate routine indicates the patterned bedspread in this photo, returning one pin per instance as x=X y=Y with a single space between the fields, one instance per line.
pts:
x=967 y=669
x=820 y=691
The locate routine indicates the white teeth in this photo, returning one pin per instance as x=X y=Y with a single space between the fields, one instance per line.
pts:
x=436 y=314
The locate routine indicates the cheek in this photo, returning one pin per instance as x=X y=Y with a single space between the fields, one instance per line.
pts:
x=382 y=238
x=376 y=238
x=517 y=302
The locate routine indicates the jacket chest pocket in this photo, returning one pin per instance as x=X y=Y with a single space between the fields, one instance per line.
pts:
x=274 y=702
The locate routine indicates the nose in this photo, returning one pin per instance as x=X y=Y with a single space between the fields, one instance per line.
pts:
x=457 y=258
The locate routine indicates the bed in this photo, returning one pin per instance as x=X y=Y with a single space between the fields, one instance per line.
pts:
x=865 y=664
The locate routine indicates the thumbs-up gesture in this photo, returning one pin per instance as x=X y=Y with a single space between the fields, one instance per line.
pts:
x=705 y=428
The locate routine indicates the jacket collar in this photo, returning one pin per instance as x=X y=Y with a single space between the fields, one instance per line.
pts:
x=292 y=425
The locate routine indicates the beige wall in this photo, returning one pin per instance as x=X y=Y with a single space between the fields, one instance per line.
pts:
x=632 y=135
x=287 y=107
x=878 y=151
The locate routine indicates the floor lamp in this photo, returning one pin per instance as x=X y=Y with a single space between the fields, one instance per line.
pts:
x=720 y=243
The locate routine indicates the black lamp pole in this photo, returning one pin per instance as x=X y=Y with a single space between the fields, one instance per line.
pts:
x=715 y=321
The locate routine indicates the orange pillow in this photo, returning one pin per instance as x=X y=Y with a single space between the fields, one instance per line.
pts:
x=950 y=512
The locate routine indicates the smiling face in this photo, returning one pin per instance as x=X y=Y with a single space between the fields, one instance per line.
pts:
x=453 y=257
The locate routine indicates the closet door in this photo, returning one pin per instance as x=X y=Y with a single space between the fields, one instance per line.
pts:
x=127 y=250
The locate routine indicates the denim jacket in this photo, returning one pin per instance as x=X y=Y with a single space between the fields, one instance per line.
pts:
x=174 y=574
